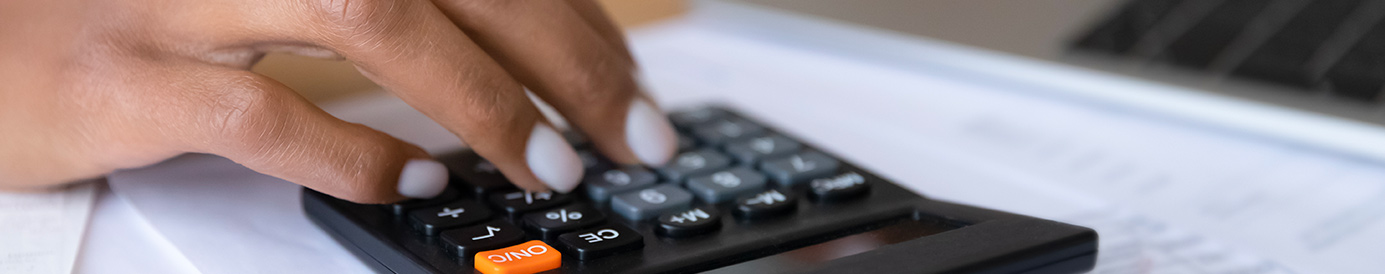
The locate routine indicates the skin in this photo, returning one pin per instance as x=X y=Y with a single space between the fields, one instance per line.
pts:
x=94 y=86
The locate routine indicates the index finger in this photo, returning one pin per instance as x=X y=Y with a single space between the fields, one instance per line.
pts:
x=413 y=50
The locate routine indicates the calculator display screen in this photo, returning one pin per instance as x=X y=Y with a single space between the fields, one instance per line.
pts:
x=807 y=258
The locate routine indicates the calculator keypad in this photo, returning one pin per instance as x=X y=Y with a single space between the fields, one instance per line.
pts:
x=726 y=166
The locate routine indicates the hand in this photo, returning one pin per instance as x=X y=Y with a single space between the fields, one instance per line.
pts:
x=95 y=86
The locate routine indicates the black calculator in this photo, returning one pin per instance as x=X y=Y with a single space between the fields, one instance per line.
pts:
x=740 y=197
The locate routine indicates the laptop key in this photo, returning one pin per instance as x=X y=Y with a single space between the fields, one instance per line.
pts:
x=1283 y=59
x=1360 y=74
x=1121 y=32
x=1201 y=44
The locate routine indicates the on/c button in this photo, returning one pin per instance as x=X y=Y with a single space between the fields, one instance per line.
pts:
x=529 y=257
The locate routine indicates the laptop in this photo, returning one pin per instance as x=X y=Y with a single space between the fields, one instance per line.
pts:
x=1308 y=72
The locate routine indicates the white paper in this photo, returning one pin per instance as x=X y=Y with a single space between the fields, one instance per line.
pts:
x=40 y=232
x=119 y=240
x=225 y=218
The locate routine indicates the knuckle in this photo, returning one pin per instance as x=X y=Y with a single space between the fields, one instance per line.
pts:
x=353 y=18
x=363 y=169
x=606 y=90
x=247 y=116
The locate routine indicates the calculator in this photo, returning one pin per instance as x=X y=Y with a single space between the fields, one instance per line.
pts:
x=739 y=197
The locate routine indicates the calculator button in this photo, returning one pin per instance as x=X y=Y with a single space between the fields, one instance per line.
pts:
x=448 y=194
x=686 y=142
x=601 y=241
x=765 y=204
x=726 y=130
x=516 y=203
x=838 y=188
x=650 y=202
x=431 y=220
x=549 y=223
x=591 y=161
x=600 y=186
x=690 y=222
x=726 y=185
x=754 y=149
x=799 y=167
x=576 y=139
x=529 y=257
x=693 y=163
x=485 y=236
x=690 y=118
x=479 y=175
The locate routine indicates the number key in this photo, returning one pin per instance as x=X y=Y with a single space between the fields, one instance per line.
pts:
x=600 y=186
x=754 y=149
x=694 y=163
x=726 y=185
x=799 y=167
x=650 y=202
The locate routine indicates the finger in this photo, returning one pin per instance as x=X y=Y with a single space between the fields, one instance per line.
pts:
x=551 y=49
x=596 y=17
x=263 y=125
x=412 y=49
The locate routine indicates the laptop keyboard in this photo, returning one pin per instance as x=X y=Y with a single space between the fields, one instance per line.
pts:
x=1334 y=46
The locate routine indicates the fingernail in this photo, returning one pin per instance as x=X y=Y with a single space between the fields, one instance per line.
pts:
x=422 y=179
x=552 y=159
x=649 y=133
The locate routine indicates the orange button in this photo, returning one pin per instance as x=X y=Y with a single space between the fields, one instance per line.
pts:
x=530 y=257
